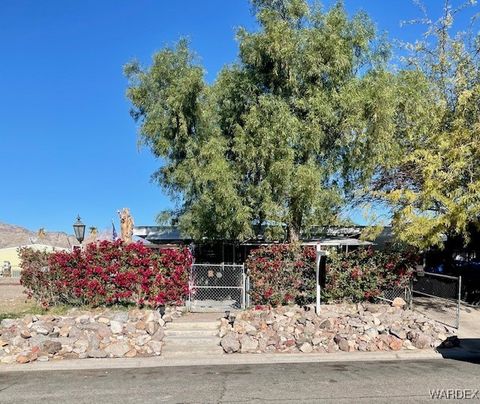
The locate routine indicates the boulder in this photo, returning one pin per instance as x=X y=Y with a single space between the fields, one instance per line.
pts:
x=156 y=346
x=117 y=349
x=395 y=343
x=306 y=347
x=420 y=340
x=159 y=335
x=96 y=353
x=52 y=347
x=399 y=302
x=248 y=344
x=25 y=334
x=230 y=343
x=343 y=344
x=116 y=326
x=151 y=327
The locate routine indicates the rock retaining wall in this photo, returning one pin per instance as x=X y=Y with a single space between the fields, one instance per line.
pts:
x=362 y=327
x=83 y=335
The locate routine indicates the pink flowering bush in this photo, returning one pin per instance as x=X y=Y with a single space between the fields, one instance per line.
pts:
x=364 y=273
x=34 y=264
x=285 y=274
x=280 y=274
x=106 y=273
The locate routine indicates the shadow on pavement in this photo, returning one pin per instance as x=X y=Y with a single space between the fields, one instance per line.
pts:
x=465 y=349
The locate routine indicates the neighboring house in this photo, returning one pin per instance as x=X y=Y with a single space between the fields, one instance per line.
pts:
x=10 y=254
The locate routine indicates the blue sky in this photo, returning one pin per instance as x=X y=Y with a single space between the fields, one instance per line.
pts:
x=67 y=142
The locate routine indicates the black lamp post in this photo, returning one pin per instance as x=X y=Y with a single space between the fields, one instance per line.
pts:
x=79 y=229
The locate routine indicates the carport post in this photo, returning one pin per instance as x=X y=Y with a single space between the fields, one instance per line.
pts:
x=317 y=280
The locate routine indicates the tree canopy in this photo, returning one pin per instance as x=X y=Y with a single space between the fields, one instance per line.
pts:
x=310 y=115
x=431 y=180
x=282 y=136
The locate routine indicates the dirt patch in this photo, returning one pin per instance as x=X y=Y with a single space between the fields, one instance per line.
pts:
x=12 y=297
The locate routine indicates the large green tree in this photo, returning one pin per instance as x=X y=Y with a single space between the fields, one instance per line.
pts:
x=284 y=132
x=430 y=176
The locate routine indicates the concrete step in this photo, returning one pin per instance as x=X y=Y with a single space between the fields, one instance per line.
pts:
x=190 y=333
x=191 y=326
x=191 y=350
x=193 y=341
x=189 y=355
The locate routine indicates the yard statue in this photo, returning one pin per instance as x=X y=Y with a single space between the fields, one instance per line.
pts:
x=126 y=225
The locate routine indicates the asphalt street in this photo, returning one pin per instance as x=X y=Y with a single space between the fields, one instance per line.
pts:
x=339 y=382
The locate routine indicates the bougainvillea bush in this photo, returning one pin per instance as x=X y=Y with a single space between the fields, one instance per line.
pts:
x=280 y=274
x=285 y=274
x=107 y=273
x=34 y=264
x=365 y=273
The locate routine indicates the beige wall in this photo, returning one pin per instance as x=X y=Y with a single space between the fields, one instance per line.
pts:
x=11 y=254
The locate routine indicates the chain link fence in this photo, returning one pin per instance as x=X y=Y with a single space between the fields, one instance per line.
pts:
x=435 y=295
x=389 y=294
x=438 y=297
x=217 y=287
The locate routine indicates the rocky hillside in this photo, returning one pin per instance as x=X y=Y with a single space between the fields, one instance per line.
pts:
x=14 y=236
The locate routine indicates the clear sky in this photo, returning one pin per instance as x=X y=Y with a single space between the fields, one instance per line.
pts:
x=67 y=142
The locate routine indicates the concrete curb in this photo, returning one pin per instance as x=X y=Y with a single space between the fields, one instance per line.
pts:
x=234 y=359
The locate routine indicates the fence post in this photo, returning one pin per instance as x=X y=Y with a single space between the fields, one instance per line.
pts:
x=410 y=301
x=190 y=285
x=244 y=285
x=458 y=302
x=247 y=290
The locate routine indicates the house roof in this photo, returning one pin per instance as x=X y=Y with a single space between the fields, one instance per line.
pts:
x=324 y=235
x=160 y=234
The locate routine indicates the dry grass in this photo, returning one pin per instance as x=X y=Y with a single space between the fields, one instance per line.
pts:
x=14 y=303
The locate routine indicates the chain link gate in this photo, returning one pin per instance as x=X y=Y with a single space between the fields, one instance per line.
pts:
x=217 y=287
x=438 y=297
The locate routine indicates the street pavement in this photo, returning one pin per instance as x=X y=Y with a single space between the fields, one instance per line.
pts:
x=340 y=382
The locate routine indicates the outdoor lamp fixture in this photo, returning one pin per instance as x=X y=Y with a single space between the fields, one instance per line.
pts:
x=227 y=314
x=79 y=229
x=161 y=310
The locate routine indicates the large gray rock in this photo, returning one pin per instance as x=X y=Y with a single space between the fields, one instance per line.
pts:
x=420 y=340
x=96 y=353
x=306 y=347
x=230 y=343
x=52 y=347
x=151 y=327
x=42 y=328
x=326 y=324
x=159 y=335
x=343 y=344
x=121 y=316
x=117 y=349
x=8 y=322
x=248 y=344
x=156 y=346
x=116 y=326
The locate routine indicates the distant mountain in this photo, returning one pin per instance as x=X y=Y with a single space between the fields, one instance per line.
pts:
x=14 y=236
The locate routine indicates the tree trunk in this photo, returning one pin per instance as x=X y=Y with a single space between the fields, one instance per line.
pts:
x=293 y=233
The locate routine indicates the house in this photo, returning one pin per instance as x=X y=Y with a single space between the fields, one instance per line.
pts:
x=345 y=238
